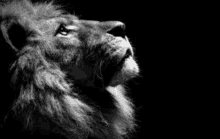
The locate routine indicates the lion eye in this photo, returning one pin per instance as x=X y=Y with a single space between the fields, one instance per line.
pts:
x=62 y=30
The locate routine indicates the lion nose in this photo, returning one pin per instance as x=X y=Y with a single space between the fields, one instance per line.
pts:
x=117 y=29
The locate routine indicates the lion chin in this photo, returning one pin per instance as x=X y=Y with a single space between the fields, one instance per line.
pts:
x=129 y=69
x=65 y=76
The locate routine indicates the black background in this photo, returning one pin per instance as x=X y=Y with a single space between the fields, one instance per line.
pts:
x=170 y=41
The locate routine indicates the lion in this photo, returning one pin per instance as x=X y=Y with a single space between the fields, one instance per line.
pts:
x=64 y=75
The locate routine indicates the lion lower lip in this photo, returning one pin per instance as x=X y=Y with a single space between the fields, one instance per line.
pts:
x=121 y=63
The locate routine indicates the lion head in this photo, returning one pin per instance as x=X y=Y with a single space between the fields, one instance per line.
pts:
x=66 y=72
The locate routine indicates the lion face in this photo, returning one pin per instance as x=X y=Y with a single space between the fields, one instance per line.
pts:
x=94 y=53
x=57 y=59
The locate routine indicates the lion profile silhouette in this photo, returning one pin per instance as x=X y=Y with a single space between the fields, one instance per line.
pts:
x=66 y=75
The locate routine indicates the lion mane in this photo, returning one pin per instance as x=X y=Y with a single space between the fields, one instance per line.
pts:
x=64 y=75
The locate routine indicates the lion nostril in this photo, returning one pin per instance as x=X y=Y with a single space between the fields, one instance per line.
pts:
x=118 y=31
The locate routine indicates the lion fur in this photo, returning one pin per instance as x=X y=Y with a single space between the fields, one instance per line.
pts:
x=46 y=93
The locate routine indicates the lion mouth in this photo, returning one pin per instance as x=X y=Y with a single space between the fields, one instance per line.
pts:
x=127 y=55
x=116 y=67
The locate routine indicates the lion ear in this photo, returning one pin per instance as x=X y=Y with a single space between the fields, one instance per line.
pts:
x=14 y=34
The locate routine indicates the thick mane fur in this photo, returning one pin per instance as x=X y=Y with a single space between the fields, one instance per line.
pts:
x=47 y=99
